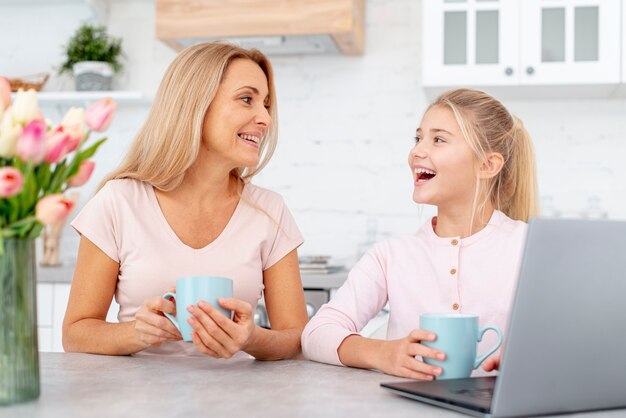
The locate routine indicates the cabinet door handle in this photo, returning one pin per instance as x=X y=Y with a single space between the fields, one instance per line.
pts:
x=530 y=70
x=508 y=71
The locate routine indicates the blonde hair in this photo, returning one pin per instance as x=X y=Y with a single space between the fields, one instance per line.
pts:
x=169 y=141
x=489 y=127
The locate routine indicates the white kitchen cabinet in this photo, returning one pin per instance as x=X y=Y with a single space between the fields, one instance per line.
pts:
x=470 y=42
x=44 y=337
x=44 y=315
x=44 y=304
x=623 y=39
x=521 y=43
x=52 y=301
x=570 y=42
x=60 y=297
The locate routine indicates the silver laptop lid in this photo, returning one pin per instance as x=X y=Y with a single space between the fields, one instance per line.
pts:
x=566 y=348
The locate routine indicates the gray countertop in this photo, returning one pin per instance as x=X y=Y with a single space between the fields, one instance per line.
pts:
x=80 y=385
x=65 y=272
x=60 y=274
x=84 y=385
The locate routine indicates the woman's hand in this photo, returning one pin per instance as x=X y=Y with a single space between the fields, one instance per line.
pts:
x=218 y=336
x=397 y=357
x=151 y=326
x=492 y=363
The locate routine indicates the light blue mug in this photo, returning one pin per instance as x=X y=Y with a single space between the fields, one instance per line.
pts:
x=192 y=289
x=457 y=336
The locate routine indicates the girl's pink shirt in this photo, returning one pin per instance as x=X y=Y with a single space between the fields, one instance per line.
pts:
x=125 y=221
x=424 y=273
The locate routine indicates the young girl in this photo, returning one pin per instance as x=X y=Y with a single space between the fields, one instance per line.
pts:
x=474 y=161
x=182 y=204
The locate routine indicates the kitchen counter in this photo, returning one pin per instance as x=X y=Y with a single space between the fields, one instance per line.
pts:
x=81 y=385
x=64 y=274
x=60 y=274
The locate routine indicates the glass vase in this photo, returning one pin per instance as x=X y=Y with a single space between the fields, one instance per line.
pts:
x=19 y=358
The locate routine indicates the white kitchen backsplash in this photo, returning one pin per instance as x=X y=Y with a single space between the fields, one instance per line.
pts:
x=346 y=124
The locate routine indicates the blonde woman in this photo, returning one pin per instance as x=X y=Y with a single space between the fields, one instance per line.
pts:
x=182 y=204
x=474 y=161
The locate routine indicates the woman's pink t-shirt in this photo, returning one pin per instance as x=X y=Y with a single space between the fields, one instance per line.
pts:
x=125 y=221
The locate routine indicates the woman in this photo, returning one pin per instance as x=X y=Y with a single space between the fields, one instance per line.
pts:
x=474 y=160
x=181 y=204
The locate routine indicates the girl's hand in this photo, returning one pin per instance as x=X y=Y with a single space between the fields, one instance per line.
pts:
x=216 y=335
x=492 y=363
x=398 y=356
x=151 y=327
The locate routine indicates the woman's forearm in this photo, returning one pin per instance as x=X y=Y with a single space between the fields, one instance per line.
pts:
x=96 y=336
x=268 y=344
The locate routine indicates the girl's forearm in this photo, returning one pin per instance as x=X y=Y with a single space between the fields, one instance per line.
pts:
x=361 y=352
x=96 y=336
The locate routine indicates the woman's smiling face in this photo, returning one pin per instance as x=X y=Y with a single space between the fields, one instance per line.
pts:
x=443 y=165
x=238 y=116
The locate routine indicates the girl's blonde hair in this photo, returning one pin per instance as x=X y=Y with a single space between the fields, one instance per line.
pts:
x=169 y=141
x=489 y=127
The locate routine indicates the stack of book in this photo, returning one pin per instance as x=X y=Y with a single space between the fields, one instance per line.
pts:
x=317 y=265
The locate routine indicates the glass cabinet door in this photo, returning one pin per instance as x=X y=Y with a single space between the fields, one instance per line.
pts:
x=570 y=41
x=470 y=42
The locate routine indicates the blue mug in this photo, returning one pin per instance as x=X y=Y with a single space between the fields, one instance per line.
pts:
x=192 y=289
x=457 y=336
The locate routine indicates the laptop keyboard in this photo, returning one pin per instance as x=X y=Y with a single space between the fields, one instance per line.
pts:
x=486 y=394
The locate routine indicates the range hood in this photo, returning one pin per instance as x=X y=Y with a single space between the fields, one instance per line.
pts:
x=276 y=27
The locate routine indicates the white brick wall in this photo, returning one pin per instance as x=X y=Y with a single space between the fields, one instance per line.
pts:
x=346 y=123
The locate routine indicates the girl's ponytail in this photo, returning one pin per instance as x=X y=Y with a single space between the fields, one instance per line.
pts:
x=519 y=181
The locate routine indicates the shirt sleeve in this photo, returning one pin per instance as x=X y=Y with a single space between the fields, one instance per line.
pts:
x=287 y=236
x=97 y=222
x=360 y=299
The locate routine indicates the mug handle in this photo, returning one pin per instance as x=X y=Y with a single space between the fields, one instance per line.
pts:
x=169 y=316
x=481 y=332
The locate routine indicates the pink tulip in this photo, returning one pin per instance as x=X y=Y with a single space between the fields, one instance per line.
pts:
x=5 y=94
x=11 y=181
x=84 y=173
x=53 y=208
x=76 y=136
x=98 y=116
x=31 y=145
x=58 y=144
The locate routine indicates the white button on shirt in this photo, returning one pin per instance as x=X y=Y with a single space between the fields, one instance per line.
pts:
x=414 y=274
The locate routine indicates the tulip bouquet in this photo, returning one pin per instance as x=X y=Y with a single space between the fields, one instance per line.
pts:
x=40 y=161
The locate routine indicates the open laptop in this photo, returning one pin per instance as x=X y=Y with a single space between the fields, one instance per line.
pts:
x=565 y=349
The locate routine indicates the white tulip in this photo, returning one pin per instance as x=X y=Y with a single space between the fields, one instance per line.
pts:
x=25 y=106
x=10 y=131
x=74 y=116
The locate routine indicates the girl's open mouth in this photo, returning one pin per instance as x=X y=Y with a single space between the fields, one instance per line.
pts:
x=423 y=175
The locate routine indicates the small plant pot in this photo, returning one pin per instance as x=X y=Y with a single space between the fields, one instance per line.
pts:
x=93 y=75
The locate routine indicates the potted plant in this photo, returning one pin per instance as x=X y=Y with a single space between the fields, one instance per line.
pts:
x=93 y=57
